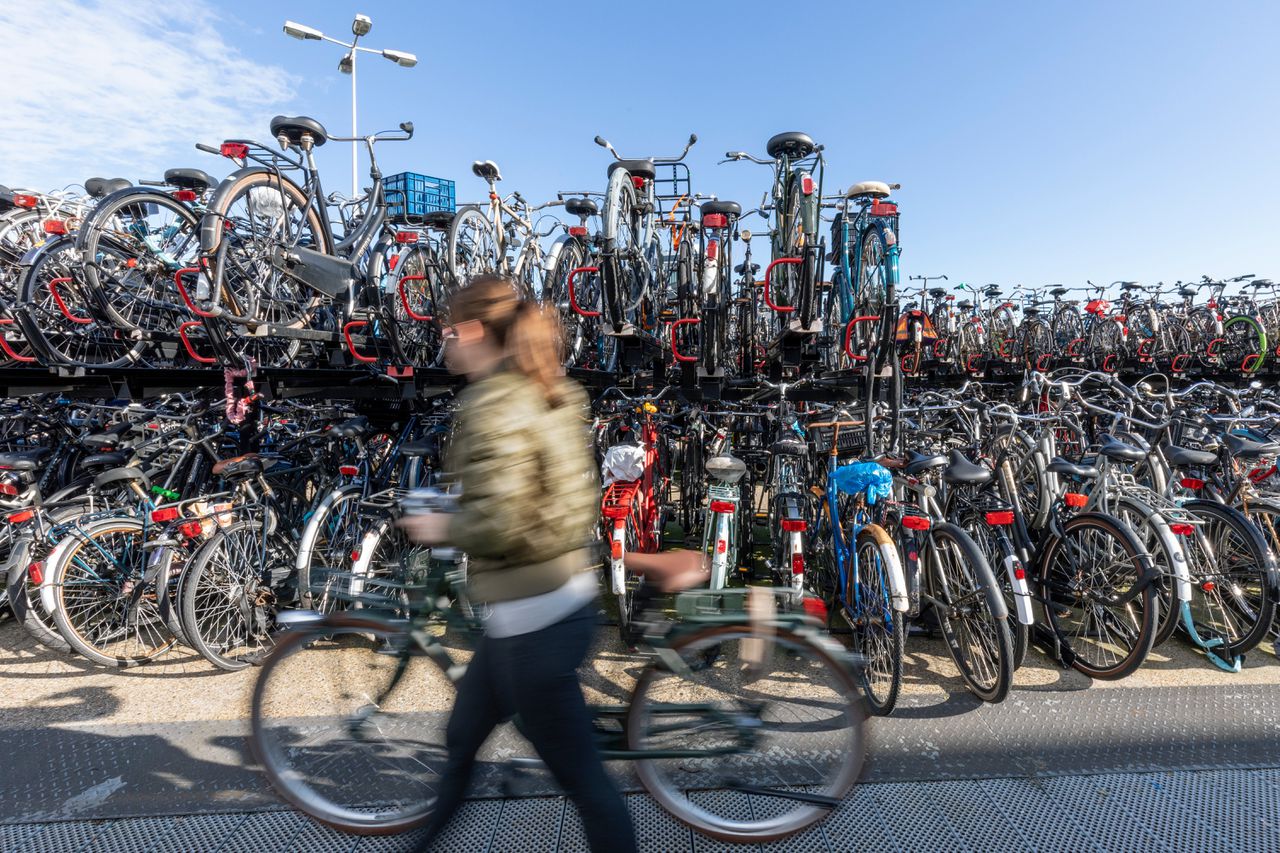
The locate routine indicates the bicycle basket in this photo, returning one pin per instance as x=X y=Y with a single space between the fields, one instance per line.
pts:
x=411 y=196
x=852 y=440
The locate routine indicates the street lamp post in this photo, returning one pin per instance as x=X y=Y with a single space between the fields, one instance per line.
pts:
x=347 y=65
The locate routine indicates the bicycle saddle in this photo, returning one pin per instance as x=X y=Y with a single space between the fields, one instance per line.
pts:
x=742 y=267
x=1031 y=311
x=937 y=292
x=99 y=461
x=964 y=304
x=868 y=189
x=581 y=207
x=294 y=128
x=1058 y=465
x=1058 y=291
x=188 y=179
x=992 y=290
x=23 y=460
x=726 y=469
x=917 y=463
x=1246 y=448
x=728 y=208
x=636 y=168
x=439 y=219
x=793 y=144
x=486 y=169
x=122 y=475
x=238 y=467
x=789 y=447
x=1186 y=291
x=961 y=471
x=1130 y=285
x=353 y=427
x=1119 y=451
x=102 y=187
x=1184 y=456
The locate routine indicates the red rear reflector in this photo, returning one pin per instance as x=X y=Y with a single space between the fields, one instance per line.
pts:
x=615 y=549
x=1192 y=483
x=617 y=512
x=21 y=200
x=185 y=195
x=8 y=489
x=406 y=236
x=1182 y=529
x=355 y=555
x=19 y=517
x=794 y=525
x=1000 y=518
x=1020 y=573
x=815 y=607
x=637 y=182
x=713 y=249
x=915 y=522
x=797 y=564
x=189 y=529
x=715 y=220
x=55 y=226
x=1075 y=499
x=36 y=572
x=577 y=230
x=348 y=470
x=721 y=546
x=806 y=185
x=237 y=150
x=169 y=513
x=1208 y=586
x=722 y=506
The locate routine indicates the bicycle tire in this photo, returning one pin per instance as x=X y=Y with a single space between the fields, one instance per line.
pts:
x=283 y=763
x=840 y=695
x=334 y=545
x=971 y=581
x=1158 y=540
x=1142 y=625
x=25 y=602
x=471 y=250
x=879 y=632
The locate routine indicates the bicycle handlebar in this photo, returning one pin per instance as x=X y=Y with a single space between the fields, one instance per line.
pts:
x=604 y=143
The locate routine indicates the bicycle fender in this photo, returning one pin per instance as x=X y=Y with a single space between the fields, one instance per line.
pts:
x=552 y=257
x=898 y=597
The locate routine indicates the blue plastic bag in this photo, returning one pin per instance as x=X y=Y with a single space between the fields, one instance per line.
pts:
x=870 y=478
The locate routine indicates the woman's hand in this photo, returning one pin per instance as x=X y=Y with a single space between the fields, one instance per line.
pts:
x=430 y=528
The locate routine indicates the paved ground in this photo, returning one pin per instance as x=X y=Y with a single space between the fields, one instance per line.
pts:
x=1178 y=755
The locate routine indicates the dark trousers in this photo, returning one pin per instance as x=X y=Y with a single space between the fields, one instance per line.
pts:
x=535 y=676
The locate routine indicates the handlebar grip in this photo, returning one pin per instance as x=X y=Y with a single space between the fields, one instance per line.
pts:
x=208 y=149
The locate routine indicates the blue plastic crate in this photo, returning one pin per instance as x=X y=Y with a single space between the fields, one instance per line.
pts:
x=411 y=196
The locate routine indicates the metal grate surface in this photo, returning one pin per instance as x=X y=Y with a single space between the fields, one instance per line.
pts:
x=1215 y=810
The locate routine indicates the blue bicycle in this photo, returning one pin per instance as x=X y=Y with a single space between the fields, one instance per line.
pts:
x=858 y=572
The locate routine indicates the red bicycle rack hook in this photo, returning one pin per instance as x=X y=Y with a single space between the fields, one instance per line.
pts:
x=1250 y=362
x=940 y=347
x=848 y=335
x=346 y=333
x=62 y=306
x=687 y=321
x=914 y=358
x=186 y=297
x=1179 y=363
x=404 y=300
x=573 y=299
x=1107 y=367
x=1212 y=348
x=1073 y=347
x=968 y=364
x=186 y=342
x=1145 y=348
x=9 y=351
x=1042 y=362
x=768 y=272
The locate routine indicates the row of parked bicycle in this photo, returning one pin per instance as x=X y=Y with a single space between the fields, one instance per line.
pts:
x=264 y=266
x=1073 y=510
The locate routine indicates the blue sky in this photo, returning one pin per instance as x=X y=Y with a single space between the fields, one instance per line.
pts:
x=1035 y=142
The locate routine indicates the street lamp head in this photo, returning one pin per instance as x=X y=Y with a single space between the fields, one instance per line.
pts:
x=300 y=31
x=361 y=26
x=401 y=58
x=346 y=64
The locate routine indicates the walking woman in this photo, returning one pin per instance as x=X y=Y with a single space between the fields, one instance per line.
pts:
x=528 y=504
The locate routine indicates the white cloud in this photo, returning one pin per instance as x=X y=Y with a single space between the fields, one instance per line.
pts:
x=103 y=87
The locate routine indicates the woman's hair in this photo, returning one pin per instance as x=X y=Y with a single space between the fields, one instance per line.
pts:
x=529 y=334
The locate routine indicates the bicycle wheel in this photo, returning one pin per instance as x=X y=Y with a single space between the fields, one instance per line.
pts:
x=330 y=537
x=1234 y=590
x=416 y=302
x=1156 y=538
x=764 y=740
x=352 y=736
x=620 y=264
x=1097 y=588
x=879 y=632
x=971 y=611
x=229 y=595
x=472 y=250
x=106 y=609
x=1246 y=345
x=23 y=587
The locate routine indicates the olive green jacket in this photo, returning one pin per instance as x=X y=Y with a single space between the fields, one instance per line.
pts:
x=529 y=491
